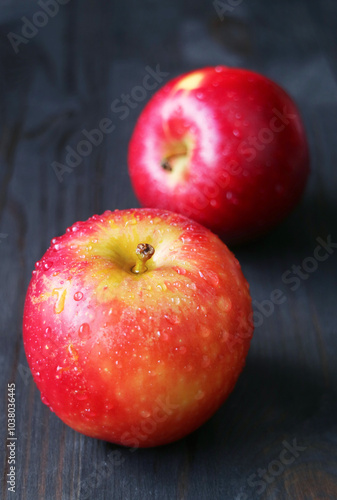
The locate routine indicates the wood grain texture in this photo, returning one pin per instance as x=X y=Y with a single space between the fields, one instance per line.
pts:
x=63 y=81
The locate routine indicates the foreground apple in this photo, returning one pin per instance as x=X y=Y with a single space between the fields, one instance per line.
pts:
x=136 y=326
x=224 y=146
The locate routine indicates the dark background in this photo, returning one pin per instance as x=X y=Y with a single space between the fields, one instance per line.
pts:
x=62 y=81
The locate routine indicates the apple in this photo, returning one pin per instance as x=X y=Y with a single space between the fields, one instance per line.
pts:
x=223 y=146
x=136 y=326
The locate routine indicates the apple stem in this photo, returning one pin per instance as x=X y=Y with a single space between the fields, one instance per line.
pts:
x=166 y=165
x=168 y=161
x=144 y=252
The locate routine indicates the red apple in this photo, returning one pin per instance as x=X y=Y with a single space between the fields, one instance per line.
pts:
x=224 y=146
x=136 y=326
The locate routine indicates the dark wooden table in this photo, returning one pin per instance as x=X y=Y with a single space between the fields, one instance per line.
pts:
x=275 y=437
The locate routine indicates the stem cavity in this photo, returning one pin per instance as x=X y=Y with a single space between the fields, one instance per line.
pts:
x=176 y=154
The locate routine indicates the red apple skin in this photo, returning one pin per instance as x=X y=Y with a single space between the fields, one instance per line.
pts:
x=139 y=360
x=241 y=155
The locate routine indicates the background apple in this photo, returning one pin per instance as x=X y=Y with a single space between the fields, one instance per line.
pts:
x=224 y=146
x=136 y=326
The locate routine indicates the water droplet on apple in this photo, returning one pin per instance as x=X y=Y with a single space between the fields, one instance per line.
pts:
x=81 y=396
x=210 y=276
x=236 y=133
x=78 y=296
x=73 y=352
x=131 y=222
x=47 y=265
x=59 y=372
x=173 y=319
x=61 y=297
x=219 y=69
x=200 y=95
x=224 y=336
x=145 y=413
x=205 y=332
x=205 y=361
x=228 y=304
x=229 y=195
x=199 y=395
x=88 y=413
x=48 y=330
x=162 y=287
x=44 y=400
x=84 y=331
